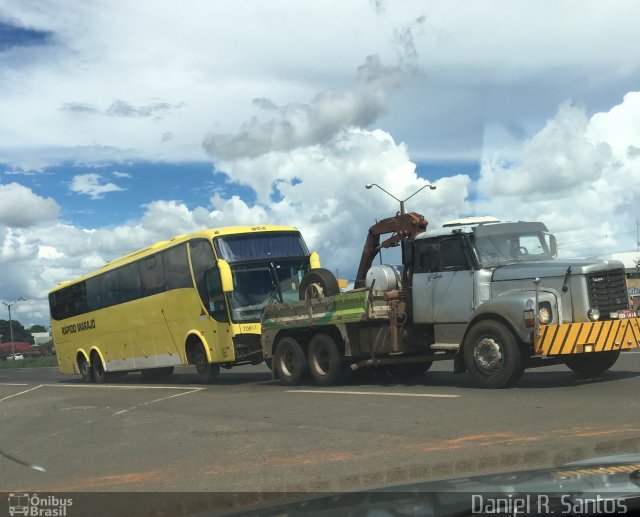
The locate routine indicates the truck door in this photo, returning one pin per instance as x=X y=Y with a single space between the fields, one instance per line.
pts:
x=442 y=282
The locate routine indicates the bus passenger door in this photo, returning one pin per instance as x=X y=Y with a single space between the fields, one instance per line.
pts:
x=213 y=311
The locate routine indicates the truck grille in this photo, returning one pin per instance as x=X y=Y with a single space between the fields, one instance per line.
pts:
x=607 y=291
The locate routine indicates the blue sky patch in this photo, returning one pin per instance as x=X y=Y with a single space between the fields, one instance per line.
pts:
x=14 y=36
x=139 y=183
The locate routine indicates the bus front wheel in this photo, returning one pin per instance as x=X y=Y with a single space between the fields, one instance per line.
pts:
x=207 y=372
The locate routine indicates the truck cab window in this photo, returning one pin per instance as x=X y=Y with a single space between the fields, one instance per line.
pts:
x=453 y=256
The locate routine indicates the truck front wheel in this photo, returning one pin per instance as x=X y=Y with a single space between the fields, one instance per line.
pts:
x=594 y=363
x=492 y=355
x=325 y=360
x=290 y=362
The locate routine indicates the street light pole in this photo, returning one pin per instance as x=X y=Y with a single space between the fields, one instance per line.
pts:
x=13 y=344
x=401 y=201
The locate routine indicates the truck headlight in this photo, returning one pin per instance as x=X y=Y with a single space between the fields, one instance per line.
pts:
x=593 y=314
x=544 y=316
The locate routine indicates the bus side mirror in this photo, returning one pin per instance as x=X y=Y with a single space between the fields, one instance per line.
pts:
x=314 y=260
x=225 y=276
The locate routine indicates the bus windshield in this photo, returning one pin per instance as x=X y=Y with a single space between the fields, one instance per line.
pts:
x=258 y=285
x=260 y=246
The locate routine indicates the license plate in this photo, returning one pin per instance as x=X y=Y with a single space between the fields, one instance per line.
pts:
x=626 y=313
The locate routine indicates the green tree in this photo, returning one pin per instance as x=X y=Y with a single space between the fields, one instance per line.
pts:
x=19 y=332
x=37 y=328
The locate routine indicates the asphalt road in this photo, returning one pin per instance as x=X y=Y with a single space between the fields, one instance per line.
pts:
x=249 y=433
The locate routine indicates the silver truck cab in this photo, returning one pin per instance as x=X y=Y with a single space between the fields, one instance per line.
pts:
x=471 y=270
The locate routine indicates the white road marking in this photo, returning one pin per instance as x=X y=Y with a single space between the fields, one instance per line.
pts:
x=22 y=392
x=14 y=384
x=193 y=390
x=122 y=386
x=381 y=393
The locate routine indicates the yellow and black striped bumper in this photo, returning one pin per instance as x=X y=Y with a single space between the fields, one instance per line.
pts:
x=596 y=336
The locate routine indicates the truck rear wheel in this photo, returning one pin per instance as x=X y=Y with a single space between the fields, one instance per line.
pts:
x=290 y=362
x=318 y=283
x=492 y=355
x=593 y=363
x=325 y=360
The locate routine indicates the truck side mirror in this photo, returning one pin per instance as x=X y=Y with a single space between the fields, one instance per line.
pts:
x=225 y=276
x=553 y=246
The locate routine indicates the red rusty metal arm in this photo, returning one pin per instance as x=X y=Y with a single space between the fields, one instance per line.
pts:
x=403 y=226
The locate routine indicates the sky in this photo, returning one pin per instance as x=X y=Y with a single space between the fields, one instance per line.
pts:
x=125 y=123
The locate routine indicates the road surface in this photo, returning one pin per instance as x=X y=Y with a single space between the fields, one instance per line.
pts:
x=249 y=433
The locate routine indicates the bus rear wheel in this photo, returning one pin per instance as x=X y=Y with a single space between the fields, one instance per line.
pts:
x=290 y=362
x=207 y=372
x=98 y=369
x=85 y=370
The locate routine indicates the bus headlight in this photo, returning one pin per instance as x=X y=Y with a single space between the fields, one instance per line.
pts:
x=593 y=314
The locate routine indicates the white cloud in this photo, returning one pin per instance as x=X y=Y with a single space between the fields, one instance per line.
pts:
x=20 y=207
x=320 y=189
x=301 y=125
x=90 y=185
x=472 y=59
x=49 y=252
x=578 y=175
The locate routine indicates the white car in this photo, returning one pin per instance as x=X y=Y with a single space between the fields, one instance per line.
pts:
x=15 y=357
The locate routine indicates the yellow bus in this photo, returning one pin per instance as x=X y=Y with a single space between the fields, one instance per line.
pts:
x=194 y=299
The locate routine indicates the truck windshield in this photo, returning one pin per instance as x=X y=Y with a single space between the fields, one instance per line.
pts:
x=255 y=286
x=512 y=242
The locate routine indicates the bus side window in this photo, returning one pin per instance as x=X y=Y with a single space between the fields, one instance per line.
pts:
x=110 y=289
x=176 y=267
x=130 y=286
x=94 y=301
x=202 y=260
x=151 y=275
x=215 y=295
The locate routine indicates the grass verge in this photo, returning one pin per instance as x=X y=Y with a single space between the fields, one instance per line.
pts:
x=29 y=362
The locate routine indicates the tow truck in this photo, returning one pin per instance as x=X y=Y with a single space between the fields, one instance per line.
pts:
x=492 y=297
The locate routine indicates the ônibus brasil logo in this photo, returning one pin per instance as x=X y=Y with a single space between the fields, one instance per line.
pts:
x=38 y=506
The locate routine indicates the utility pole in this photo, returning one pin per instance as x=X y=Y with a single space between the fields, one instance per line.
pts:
x=13 y=344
